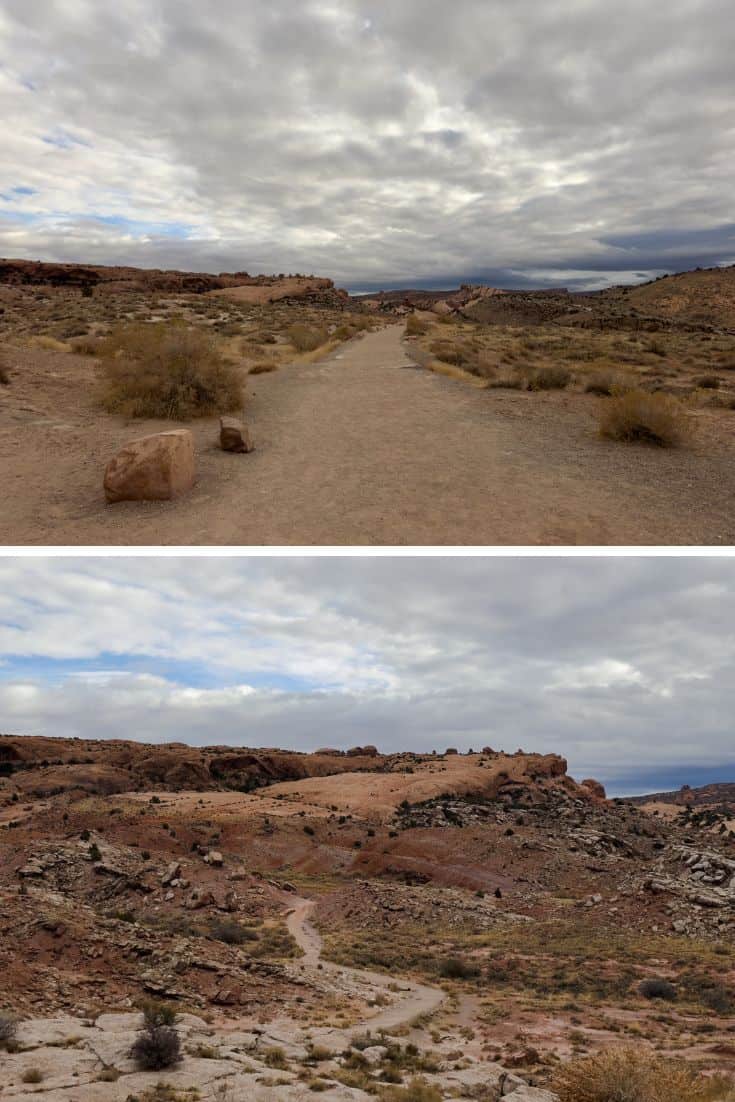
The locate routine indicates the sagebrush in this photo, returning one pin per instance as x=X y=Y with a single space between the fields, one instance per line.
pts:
x=640 y=417
x=306 y=339
x=158 y=1045
x=631 y=1075
x=167 y=371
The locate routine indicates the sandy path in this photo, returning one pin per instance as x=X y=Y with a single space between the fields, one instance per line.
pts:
x=366 y=449
x=416 y=999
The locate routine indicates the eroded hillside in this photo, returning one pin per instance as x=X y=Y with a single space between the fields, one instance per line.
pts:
x=537 y=906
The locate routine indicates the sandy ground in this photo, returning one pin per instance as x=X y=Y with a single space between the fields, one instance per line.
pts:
x=364 y=449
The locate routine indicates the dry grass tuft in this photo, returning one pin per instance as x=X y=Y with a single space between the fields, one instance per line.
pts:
x=87 y=345
x=629 y=1075
x=306 y=339
x=549 y=378
x=602 y=383
x=418 y=1090
x=50 y=344
x=416 y=326
x=162 y=371
x=639 y=417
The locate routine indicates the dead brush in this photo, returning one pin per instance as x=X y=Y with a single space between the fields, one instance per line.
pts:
x=306 y=339
x=630 y=1075
x=416 y=326
x=167 y=371
x=637 y=416
x=603 y=384
x=549 y=377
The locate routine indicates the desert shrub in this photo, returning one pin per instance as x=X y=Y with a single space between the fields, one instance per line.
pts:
x=231 y=932
x=156 y=1047
x=455 y=354
x=275 y=1057
x=32 y=1075
x=263 y=367
x=418 y=1090
x=718 y=998
x=157 y=1013
x=657 y=989
x=630 y=1075
x=87 y=345
x=601 y=383
x=167 y=371
x=94 y=852
x=306 y=339
x=454 y=968
x=416 y=326
x=550 y=377
x=638 y=416
x=8 y=1029
x=108 y=1075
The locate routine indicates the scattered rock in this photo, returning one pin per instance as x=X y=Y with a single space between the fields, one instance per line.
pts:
x=173 y=872
x=153 y=468
x=234 y=436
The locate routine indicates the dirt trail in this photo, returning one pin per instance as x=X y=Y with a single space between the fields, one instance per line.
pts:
x=364 y=449
x=416 y=999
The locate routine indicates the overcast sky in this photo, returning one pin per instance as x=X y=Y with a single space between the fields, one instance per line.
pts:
x=624 y=666
x=374 y=141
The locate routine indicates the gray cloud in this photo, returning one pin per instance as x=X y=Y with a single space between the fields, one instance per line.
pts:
x=623 y=665
x=369 y=141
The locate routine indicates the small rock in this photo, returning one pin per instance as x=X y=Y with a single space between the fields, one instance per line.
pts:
x=234 y=436
x=173 y=872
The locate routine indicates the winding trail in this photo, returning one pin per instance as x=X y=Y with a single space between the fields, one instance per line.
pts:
x=416 y=999
x=363 y=449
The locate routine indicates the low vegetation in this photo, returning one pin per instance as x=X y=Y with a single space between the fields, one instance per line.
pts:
x=307 y=339
x=158 y=1045
x=631 y=1075
x=639 y=417
x=167 y=371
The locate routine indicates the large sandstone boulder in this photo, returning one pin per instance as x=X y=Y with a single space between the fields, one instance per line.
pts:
x=154 y=468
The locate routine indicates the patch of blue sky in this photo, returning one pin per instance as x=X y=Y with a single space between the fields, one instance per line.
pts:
x=24 y=217
x=190 y=673
x=60 y=139
x=140 y=228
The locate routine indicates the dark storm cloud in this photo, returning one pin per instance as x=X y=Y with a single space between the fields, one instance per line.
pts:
x=625 y=666
x=375 y=142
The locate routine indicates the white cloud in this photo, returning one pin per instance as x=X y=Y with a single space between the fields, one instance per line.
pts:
x=369 y=141
x=622 y=665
